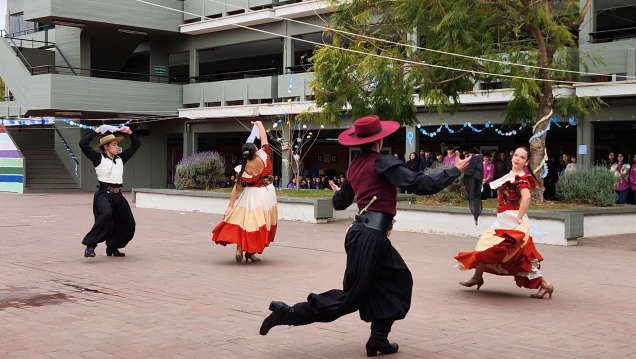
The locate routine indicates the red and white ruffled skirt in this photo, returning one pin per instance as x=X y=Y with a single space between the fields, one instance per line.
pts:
x=507 y=249
x=252 y=222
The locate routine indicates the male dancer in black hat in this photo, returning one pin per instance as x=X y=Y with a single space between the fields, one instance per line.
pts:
x=114 y=221
x=377 y=282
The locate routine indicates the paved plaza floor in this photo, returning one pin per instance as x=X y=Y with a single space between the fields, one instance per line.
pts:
x=177 y=295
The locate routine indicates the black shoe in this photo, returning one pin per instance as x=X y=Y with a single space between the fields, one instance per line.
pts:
x=114 y=252
x=282 y=314
x=89 y=251
x=378 y=342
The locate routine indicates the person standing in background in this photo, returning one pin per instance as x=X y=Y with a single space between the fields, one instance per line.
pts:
x=611 y=160
x=488 y=176
x=621 y=171
x=427 y=161
x=507 y=167
x=449 y=160
x=632 y=178
x=551 y=178
x=413 y=163
x=565 y=161
x=572 y=166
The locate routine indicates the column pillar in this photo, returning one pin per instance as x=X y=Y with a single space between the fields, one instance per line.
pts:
x=585 y=137
x=631 y=62
x=190 y=142
x=412 y=141
x=288 y=52
x=194 y=62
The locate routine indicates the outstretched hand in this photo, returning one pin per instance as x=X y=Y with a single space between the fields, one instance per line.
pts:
x=334 y=186
x=462 y=165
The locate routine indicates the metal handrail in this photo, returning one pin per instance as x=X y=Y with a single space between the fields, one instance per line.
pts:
x=47 y=69
x=57 y=49
x=68 y=149
x=623 y=33
x=235 y=75
x=46 y=44
x=18 y=53
x=26 y=32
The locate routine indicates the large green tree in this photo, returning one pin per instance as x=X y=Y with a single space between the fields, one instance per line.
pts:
x=378 y=76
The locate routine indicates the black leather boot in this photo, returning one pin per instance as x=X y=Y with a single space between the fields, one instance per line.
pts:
x=110 y=251
x=89 y=251
x=378 y=341
x=282 y=314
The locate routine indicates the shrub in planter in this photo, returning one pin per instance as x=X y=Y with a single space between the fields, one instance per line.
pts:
x=594 y=186
x=453 y=194
x=203 y=170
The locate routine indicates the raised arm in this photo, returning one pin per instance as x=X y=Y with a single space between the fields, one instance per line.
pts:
x=134 y=146
x=85 y=145
x=395 y=172
x=262 y=132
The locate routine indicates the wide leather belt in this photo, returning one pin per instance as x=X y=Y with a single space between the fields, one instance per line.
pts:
x=108 y=188
x=375 y=220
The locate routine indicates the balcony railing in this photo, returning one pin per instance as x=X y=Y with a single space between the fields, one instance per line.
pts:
x=612 y=35
x=104 y=74
x=26 y=32
x=236 y=75
x=299 y=69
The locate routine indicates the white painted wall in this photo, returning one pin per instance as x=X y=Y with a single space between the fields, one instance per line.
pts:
x=608 y=224
x=303 y=212
x=463 y=225
x=406 y=220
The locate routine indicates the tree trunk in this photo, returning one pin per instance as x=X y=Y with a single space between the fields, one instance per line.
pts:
x=537 y=146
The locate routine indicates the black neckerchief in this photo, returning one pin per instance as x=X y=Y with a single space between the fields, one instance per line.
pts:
x=114 y=159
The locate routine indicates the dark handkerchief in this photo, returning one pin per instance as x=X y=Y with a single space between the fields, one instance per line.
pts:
x=472 y=181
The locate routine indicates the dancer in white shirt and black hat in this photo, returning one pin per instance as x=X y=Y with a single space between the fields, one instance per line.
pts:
x=114 y=221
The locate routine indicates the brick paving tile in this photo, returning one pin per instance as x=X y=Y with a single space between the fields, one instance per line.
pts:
x=176 y=295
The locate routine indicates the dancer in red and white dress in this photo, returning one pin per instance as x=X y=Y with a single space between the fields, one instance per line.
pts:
x=251 y=222
x=507 y=247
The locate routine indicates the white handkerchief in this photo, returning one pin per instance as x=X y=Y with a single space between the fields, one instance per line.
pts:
x=255 y=134
x=109 y=128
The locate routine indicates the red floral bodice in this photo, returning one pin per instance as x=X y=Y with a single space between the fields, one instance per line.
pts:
x=265 y=177
x=509 y=193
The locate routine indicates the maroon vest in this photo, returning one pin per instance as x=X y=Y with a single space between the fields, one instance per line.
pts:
x=366 y=184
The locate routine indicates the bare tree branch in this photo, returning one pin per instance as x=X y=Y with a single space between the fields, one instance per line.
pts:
x=451 y=79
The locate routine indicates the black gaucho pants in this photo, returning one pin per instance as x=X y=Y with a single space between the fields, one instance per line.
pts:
x=114 y=221
x=377 y=283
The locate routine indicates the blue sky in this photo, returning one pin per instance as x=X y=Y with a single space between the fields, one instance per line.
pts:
x=3 y=11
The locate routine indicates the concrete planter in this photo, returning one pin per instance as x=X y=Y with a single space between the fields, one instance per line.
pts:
x=564 y=226
x=310 y=210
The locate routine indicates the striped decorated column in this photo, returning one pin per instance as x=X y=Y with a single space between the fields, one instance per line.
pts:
x=11 y=165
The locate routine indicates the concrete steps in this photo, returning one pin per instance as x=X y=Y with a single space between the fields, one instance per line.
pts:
x=45 y=172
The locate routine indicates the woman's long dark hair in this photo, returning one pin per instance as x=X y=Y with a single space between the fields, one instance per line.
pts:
x=536 y=180
x=249 y=151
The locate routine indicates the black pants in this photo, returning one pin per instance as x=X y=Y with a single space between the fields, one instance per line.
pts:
x=376 y=282
x=550 y=190
x=114 y=221
x=485 y=194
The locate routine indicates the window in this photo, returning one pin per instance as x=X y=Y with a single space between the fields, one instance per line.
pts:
x=615 y=20
x=17 y=25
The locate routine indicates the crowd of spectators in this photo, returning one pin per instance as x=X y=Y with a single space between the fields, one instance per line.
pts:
x=496 y=165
